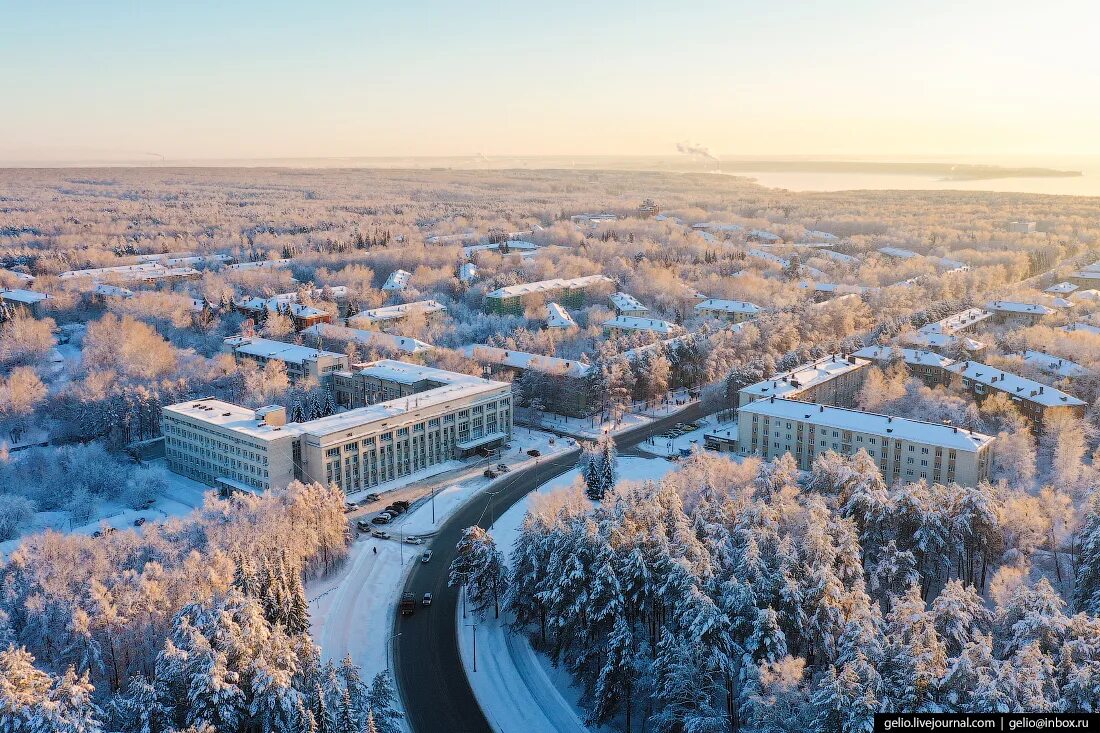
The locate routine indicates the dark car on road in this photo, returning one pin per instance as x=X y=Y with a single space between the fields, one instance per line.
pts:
x=534 y=453
x=490 y=473
x=381 y=519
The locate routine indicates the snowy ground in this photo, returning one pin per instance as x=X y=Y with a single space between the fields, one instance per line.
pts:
x=585 y=428
x=661 y=445
x=673 y=403
x=518 y=688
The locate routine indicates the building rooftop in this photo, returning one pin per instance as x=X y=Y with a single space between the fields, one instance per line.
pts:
x=839 y=257
x=544 y=286
x=1083 y=328
x=1011 y=306
x=397 y=312
x=635 y=323
x=626 y=302
x=843 y=418
x=768 y=257
x=523 y=360
x=805 y=376
x=1054 y=365
x=398 y=280
x=1083 y=295
x=513 y=246
x=957 y=322
x=1013 y=384
x=112 y=291
x=1061 y=288
x=233 y=417
x=558 y=317
x=1087 y=274
x=279 y=303
x=259 y=264
x=22 y=296
x=912 y=357
x=727 y=306
x=942 y=340
x=291 y=353
x=898 y=252
x=406 y=344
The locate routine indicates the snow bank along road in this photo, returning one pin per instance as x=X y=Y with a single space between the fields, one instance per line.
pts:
x=429 y=671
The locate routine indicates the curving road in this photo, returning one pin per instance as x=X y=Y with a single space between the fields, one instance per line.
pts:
x=429 y=672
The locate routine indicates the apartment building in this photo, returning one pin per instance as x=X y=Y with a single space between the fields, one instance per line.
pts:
x=301 y=315
x=904 y=450
x=386 y=342
x=1008 y=311
x=410 y=418
x=733 y=311
x=391 y=314
x=962 y=322
x=563 y=381
x=558 y=317
x=627 y=305
x=26 y=302
x=928 y=366
x=397 y=281
x=834 y=380
x=629 y=324
x=570 y=293
x=302 y=362
x=1035 y=400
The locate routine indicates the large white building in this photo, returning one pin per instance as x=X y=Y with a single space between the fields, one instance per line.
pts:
x=834 y=380
x=411 y=418
x=302 y=362
x=378 y=317
x=904 y=450
x=734 y=311
x=368 y=339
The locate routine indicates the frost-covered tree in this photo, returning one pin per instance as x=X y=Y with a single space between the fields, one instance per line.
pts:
x=479 y=567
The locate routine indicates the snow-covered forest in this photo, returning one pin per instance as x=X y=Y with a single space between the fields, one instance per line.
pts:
x=733 y=595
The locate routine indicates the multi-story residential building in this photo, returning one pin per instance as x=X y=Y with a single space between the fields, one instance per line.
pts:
x=1008 y=311
x=928 y=366
x=411 y=419
x=1086 y=278
x=962 y=322
x=1081 y=327
x=569 y=293
x=328 y=332
x=733 y=311
x=834 y=380
x=229 y=447
x=1062 y=288
x=1036 y=401
x=391 y=314
x=561 y=384
x=302 y=362
x=1055 y=366
x=904 y=450
x=558 y=317
x=397 y=281
x=627 y=305
x=627 y=324
x=26 y=302
x=260 y=265
x=303 y=316
x=143 y=272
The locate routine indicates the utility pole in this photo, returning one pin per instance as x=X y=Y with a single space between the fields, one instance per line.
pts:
x=474 y=627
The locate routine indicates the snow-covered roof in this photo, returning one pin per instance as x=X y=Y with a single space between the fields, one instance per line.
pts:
x=716 y=305
x=842 y=418
x=279 y=304
x=1055 y=365
x=717 y=226
x=764 y=235
x=406 y=344
x=806 y=375
x=25 y=277
x=523 y=360
x=260 y=264
x=1016 y=307
x=513 y=246
x=544 y=286
x=1094 y=267
x=22 y=296
x=1083 y=328
x=1087 y=294
x=833 y=287
x=468 y=272
x=1013 y=384
x=397 y=312
x=558 y=317
x=267 y=348
x=768 y=256
x=112 y=291
x=626 y=302
x=636 y=323
x=942 y=340
x=1061 y=288
x=233 y=417
x=143 y=271
x=904 y=254
x=398 y=280
x=839 y=257
x=912 y=357
x=957 y=322
x=814 y=235
x=1086 y=275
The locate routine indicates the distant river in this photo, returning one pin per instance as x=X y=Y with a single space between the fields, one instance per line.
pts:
x=1084 y=185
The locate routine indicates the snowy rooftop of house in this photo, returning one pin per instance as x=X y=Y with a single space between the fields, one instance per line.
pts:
x=524 y=360
x=1082 y=327
x=558 y=317
x=717 y=226
x=176 y=259
x=233 y=417
x=277 y=303
x=25 y=277
x=397 y=280
x=336 y=291
x=952 y=265
x=636 y=323
x=765 y=235
x=957 y=322
x=543 y=286
x=858 y=421
x=259 y=264
x=904 y=254
x=716 y=305
x=291 y=353
x=812 y=235
x=513 y=246
x=467 y=272
x=1087 y=274
x=833 y=287
x=406 y=344
x=840 y=257
x=1013 y=384
x=1055 y=365
x=1011 y=306
x=767 y=256
x=112 y=291
x=143 y=271
x=804 y=376
x=1061 y=288
x=912 y=357
x=626 y=302
x=1094 y=267
x=1087 y=294
x=397 y=312
x=942 y=340
x=452 y=386
x=22 y=296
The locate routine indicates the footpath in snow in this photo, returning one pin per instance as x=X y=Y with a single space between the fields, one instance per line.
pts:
x=518 y=688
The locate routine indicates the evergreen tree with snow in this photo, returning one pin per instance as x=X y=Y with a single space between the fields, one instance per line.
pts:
x=960 y=615
x=480 y=567
x=608 y=466
x=382 y=705
x=1086 y=592
x=139 y=709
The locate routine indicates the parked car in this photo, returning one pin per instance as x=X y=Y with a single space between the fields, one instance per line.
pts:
x=381 y=519
x=426 y=557
x=401 y=503
x=414 y=540
x=534 y=453
x=370 y=498
x=363 y=525
x=427 y=601
x=503 y=467
x=395 y=509
x=140 y=521
x=490 y=473
x=350 y=507
x=379 y=534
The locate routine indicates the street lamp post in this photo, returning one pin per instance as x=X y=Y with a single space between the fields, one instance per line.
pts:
x=392 y=637
x=474 y=627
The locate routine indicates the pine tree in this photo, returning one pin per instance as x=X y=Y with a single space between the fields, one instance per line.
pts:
x=382 y=705
x=1086 y=592
x=480 y=566
x=608 y=466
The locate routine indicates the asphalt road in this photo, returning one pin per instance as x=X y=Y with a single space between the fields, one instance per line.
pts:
x=429 y=672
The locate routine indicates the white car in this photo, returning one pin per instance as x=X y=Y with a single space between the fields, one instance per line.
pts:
x=414 y=540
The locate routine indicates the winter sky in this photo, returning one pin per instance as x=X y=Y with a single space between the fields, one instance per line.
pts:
x=213 y=79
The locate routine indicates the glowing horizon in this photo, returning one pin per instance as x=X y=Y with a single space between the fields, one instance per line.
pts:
x=340 y=79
